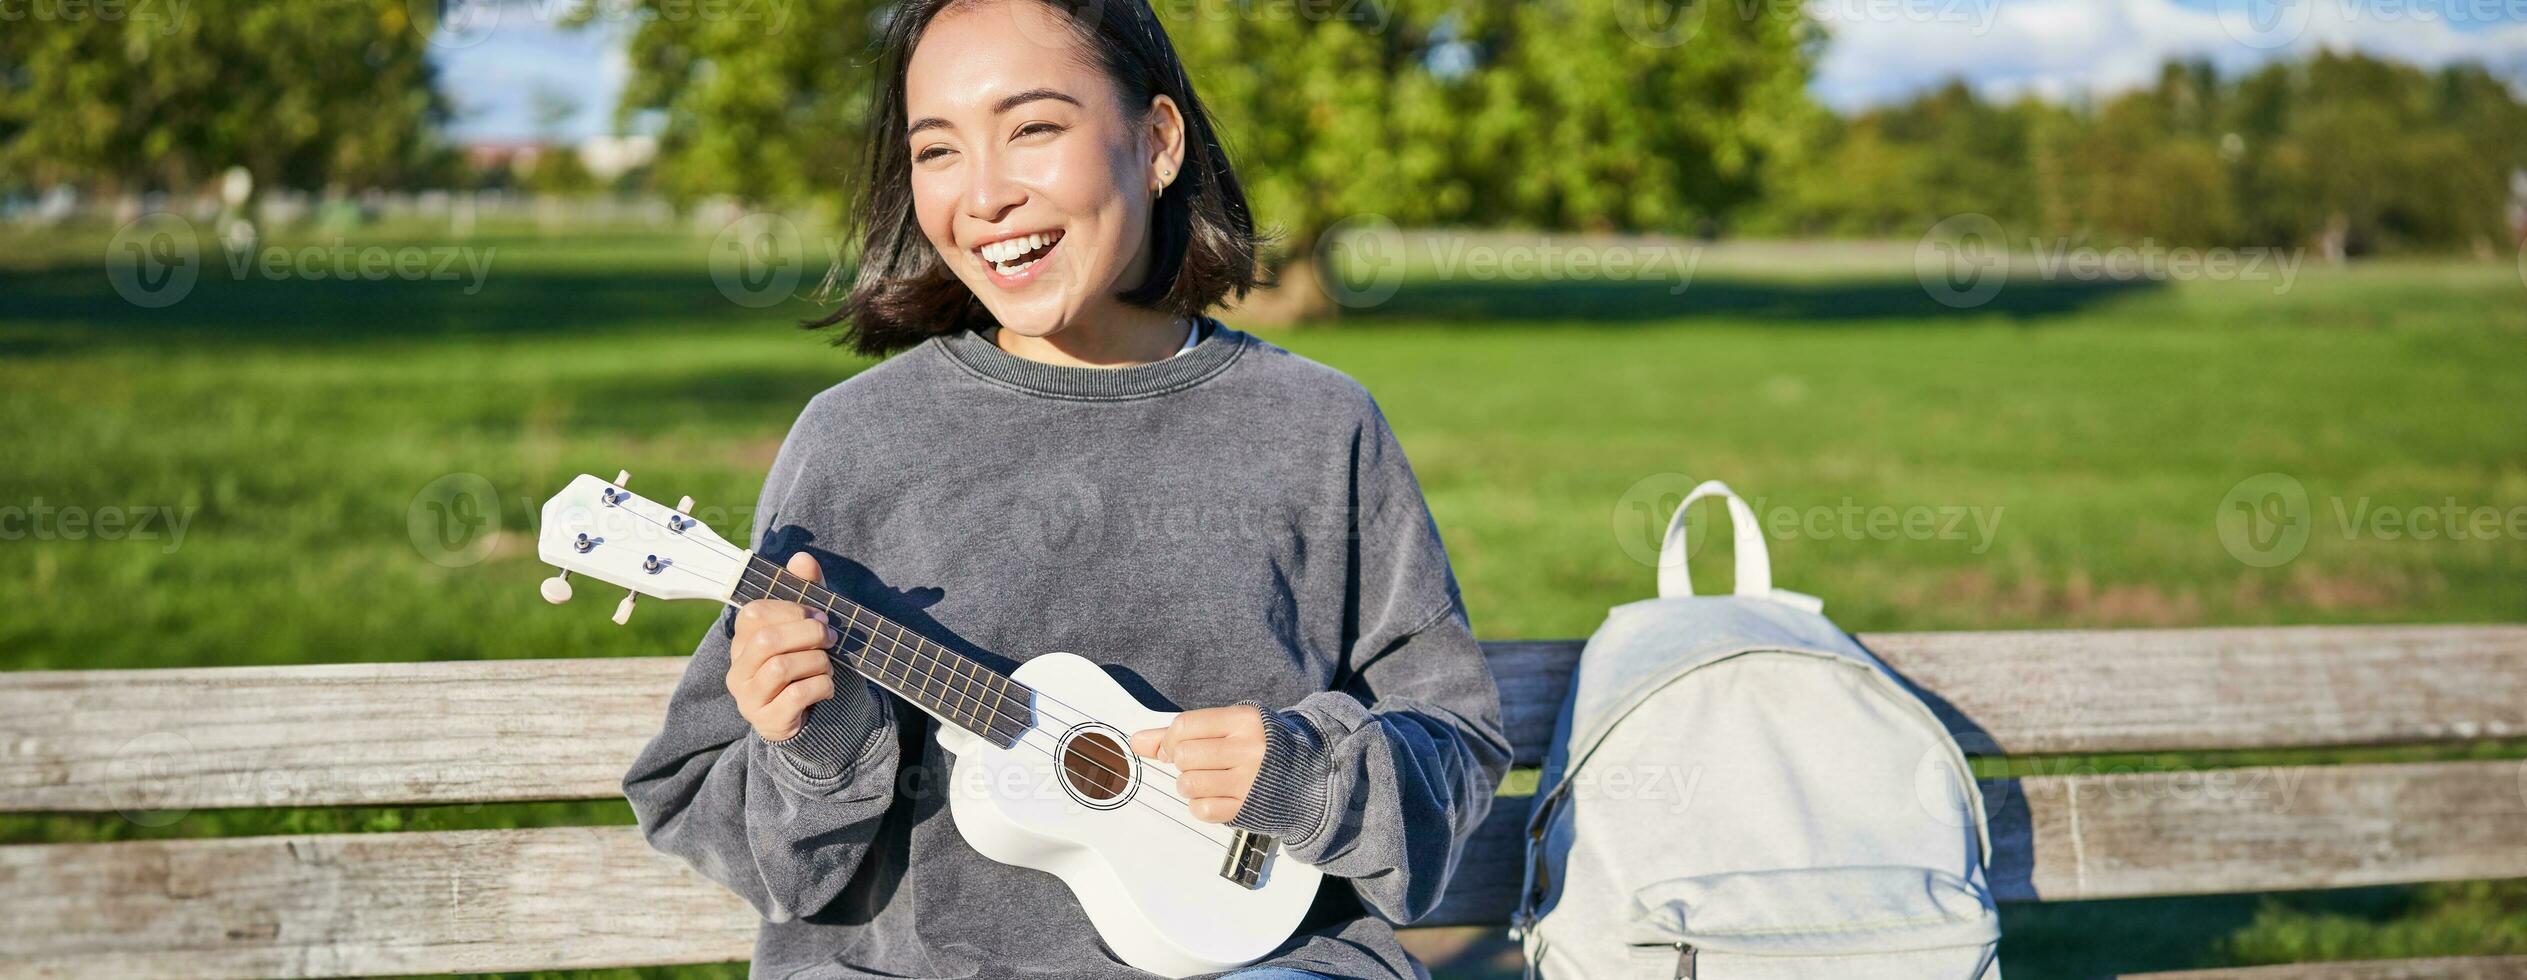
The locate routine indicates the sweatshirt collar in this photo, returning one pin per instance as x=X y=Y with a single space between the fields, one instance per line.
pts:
x=1217 y=348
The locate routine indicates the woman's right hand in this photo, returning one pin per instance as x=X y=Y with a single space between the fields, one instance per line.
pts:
x=777 y=667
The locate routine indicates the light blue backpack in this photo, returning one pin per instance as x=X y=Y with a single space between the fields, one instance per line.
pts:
x=1738 y=790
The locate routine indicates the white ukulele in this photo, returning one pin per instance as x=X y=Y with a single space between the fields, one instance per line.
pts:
x=1059 y=788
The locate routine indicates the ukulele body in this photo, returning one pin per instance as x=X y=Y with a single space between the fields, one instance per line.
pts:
x=1111 y=825
x=1168 y=893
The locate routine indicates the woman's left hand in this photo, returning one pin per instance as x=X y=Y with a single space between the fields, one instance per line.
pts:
x=1216 y=752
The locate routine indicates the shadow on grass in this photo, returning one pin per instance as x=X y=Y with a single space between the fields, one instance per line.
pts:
x=219 y=307
x=1789 y=302
x=61 y=309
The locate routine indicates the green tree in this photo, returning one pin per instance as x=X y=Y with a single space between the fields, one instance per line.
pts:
x=2353 y=152
x=1561 y=114
x=557 y=168
x=1896 y=170
x=1551 y=114
x=2340 y=152
x=765 y=103
x=169 y=96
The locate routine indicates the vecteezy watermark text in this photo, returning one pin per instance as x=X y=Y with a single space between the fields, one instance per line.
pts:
x=338 y=260
x=156 y=260
x=2267 y=519
x=1362 y=260
x=41 y=521
x=1966 y=260
x=1454 y=257
x=167 y=15
x=2060 y=259
x=1641 y=516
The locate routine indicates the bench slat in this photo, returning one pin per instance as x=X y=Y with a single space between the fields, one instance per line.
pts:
x=360 y=905
x=448 y=732
x=2046 y=692
x=2082 y=691
x=2130 y=835
x=327 y=735
x=352 y=904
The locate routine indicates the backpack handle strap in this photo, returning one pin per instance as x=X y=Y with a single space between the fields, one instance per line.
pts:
x=1754 y=558
x=1754 y=561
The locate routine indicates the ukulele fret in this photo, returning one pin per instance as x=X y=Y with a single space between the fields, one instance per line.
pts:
x=953 y=687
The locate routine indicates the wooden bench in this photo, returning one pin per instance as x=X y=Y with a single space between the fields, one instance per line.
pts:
x=571 y=897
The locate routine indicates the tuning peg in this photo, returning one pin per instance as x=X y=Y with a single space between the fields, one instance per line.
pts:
x=557 y=589
x=615 y=494
x=623 y=610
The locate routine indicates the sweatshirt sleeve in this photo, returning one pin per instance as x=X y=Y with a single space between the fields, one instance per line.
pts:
x=1382 y=778
x=783 y=824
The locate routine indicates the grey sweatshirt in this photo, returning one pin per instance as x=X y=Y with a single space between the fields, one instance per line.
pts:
x=1232 y=524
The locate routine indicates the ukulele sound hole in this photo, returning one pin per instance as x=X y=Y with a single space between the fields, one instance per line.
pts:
x=1096 y=766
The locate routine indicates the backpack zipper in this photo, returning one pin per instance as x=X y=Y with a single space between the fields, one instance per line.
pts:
x=1685 y=955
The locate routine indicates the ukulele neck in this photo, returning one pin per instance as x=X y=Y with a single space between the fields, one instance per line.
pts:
x=950 y=686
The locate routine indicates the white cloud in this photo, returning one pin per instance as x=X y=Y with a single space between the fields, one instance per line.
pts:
x=1885 y=50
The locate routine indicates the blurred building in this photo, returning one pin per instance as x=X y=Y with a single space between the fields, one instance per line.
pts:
x=610 y=157
x=604 y=158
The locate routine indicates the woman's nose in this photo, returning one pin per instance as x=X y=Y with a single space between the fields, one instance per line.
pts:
x=990 y=191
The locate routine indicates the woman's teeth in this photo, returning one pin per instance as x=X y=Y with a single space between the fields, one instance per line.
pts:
x=1012 y=256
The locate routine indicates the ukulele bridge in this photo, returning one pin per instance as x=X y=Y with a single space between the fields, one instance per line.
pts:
x=1246 y=853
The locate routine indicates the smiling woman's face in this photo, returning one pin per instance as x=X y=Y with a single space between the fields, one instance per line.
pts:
x=1028 y=176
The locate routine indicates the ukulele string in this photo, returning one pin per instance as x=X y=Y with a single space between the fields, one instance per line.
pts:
x=749 y=558
x=942 y=658
x=939 y=659
x=914 y=640
x=775 y=572
x=1021 y=739
x=963 y=695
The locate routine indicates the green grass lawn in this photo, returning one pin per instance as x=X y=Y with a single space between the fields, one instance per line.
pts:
x=2059 y=457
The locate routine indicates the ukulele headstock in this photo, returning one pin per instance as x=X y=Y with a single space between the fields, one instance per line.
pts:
x=599 y=529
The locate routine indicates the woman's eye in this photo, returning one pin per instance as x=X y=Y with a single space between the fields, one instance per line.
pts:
x=1038 y=127
x=929 y=152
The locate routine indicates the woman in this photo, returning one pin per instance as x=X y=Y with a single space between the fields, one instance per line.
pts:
x=1068 y=453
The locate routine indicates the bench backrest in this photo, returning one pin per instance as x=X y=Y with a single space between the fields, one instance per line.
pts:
x=570 y=897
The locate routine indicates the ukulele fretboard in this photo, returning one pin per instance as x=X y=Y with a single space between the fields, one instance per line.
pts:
x=945 y=683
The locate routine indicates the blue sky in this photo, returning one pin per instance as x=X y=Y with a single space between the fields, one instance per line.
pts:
x=1882 y=50
x=492 y=70
x=1886 y=49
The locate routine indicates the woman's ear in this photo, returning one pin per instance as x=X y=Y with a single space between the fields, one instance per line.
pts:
x=1166 y=134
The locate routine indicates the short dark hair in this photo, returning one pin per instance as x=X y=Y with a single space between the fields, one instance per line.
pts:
x=1204 y=244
